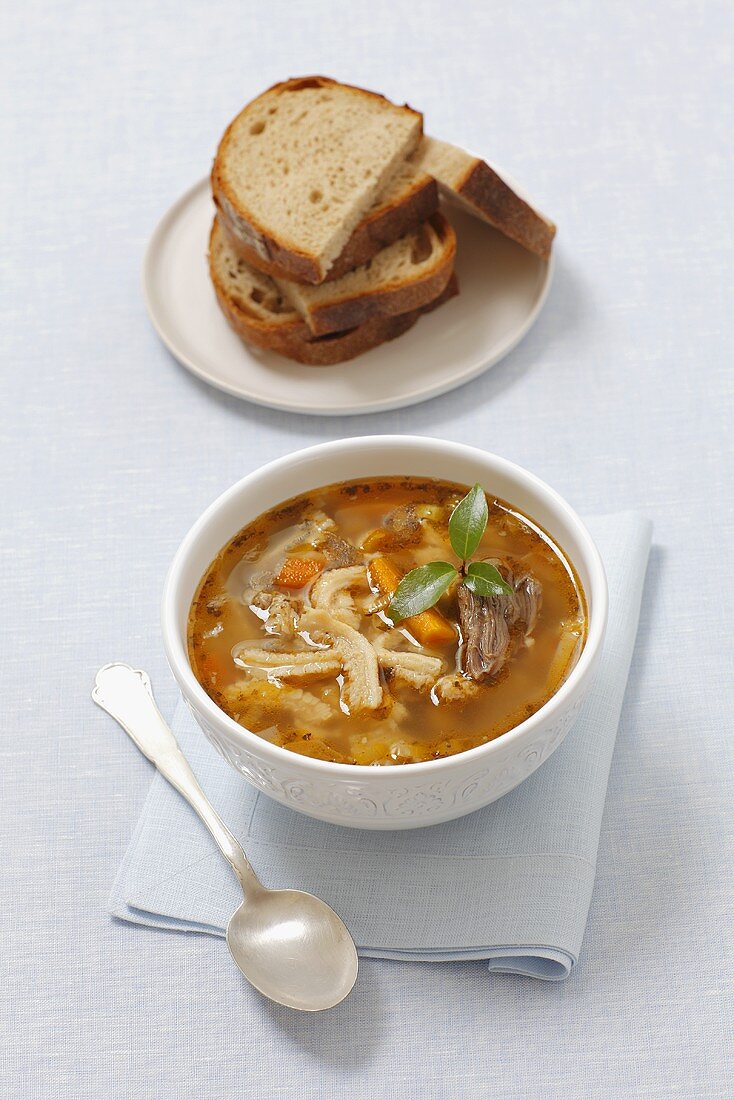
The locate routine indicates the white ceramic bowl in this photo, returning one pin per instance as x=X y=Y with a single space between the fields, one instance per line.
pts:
x=410 y=795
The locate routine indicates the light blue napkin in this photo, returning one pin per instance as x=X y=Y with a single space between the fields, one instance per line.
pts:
x=510 y=883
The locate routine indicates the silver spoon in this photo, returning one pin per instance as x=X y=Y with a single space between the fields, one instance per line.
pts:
x=290 y=945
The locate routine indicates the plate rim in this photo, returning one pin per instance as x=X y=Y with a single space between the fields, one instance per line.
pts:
x=387 y=404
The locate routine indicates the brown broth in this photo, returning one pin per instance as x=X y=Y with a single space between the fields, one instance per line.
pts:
x=310 y=718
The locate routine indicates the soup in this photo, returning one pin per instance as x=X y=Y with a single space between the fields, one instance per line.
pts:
x=292 y=629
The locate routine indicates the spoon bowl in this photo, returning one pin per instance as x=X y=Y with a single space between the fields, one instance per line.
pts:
x=293 y=948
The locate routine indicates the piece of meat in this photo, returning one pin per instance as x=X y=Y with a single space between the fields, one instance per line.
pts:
x=529 y=597
x=281 y=612
x=454 y=687
x=418 y=670
x=493 y=626
x=361 y=689
x=323 y=537
x=338 y=551
x=299 y=666
x=485 y=631
x=332 y=592
x=404 y=525
x=400 y=528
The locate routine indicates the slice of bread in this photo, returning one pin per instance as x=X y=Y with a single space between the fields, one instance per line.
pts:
x=482 y=192
x=256 y=310
x=408 y=199
x=404 y=276
x=300 y=166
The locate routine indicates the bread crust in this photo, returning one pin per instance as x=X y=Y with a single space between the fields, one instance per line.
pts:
x=373 y=233
x=292 y=263
x=346 y=313
x=319 y=351
x=503 y=208
x=292 y=338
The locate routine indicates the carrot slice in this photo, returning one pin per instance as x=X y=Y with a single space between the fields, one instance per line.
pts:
x=430 y=627
x=375 y=540
x=297 y=572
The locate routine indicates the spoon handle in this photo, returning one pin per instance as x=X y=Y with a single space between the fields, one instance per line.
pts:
x=126 y=694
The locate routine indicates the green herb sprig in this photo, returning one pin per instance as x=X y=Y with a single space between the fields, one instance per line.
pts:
x=424 y=586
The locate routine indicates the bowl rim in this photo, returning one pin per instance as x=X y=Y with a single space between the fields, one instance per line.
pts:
x=177 y=655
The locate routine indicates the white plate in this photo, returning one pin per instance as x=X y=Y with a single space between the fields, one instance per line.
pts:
x=503 y=288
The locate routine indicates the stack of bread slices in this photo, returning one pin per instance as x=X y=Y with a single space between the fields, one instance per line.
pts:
x=328 y=238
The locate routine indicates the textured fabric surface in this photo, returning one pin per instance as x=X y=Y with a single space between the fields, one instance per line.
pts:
x=618 y=118
x=511 y=883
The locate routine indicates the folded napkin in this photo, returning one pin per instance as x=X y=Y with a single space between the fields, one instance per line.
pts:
x=511 y=883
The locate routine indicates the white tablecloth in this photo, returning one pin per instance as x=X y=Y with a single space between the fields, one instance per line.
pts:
x=618 y=118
